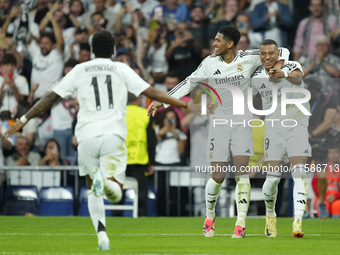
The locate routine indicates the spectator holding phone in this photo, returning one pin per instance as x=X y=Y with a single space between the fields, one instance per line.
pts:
x=13 y=86
x=184 y=54
x=171 y=140
x=171 y=143
x=52 y=157
x=98 y=22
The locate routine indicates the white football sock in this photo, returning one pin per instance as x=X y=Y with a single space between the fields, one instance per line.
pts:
x=212 y=190
x=97 y=213
x=300 y=190
x=269 y=190
x=242 y=192
x=112 y=191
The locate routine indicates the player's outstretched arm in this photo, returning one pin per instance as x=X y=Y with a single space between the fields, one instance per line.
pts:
x=43 y=104
x=161 y=96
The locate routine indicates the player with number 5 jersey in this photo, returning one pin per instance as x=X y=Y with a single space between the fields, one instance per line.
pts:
x=227 y=66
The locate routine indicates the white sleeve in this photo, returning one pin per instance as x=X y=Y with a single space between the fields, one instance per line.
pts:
x=292 y=66
x=33 y=48
x=184 y=88
x=68 y=84
x=284 y=54
x=3 y=130
x=134 y=83
x=255 y=80
x=22 y=86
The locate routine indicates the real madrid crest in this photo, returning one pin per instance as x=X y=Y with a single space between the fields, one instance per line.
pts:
x=211 y=155
x=266 y=154
x=239 y=68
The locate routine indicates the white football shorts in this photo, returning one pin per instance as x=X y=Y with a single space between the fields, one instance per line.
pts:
x=107 y=152
x=224 y=139
x=290 y=143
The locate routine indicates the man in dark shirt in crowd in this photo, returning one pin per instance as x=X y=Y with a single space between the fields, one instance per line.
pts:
x=323 y=110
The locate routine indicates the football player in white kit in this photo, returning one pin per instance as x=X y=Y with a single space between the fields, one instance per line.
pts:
x=233 y=67
x=102 y=87
x=286 y=136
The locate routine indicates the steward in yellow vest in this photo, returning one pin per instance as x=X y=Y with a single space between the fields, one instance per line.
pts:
x=141 y=144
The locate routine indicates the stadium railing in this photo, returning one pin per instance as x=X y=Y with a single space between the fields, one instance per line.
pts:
x=176 y=176
x=63 y=170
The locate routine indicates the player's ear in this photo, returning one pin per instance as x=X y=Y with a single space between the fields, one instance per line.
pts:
x=230 y=44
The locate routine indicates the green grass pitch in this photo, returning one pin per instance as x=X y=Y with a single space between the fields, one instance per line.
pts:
x=75 y=236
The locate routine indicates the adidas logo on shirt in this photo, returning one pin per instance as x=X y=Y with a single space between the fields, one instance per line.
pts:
x=247 y=151
x=263 y=86
x=217 y=72
x=306 y=151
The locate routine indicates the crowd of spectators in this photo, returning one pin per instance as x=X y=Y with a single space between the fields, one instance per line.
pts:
x=163 y=41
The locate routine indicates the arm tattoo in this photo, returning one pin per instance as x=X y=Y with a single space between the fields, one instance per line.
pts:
x=43 y=104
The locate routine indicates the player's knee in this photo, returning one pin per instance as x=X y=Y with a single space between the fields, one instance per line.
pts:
x=88 y=181
x=298 y=171
x=218 y=179
x=242 y=179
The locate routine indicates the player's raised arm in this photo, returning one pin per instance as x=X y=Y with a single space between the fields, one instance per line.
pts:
x=43 y=104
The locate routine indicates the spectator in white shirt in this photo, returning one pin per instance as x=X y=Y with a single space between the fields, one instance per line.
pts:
x=13 y=87
x=47 y=60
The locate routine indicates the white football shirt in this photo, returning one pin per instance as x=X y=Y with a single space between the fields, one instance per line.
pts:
x=218 y=72
x=102 y=87
x=8 y=101
x=46 y=70
x=261 y=84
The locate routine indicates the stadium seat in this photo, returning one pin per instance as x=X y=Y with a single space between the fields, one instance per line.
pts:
x=130 y=183
x=20 y=200
x=152 y=202
x=83 y=208
x=256 y=195
x=56 y=201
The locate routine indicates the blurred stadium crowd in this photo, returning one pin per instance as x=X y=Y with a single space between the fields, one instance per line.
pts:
x=164 y=42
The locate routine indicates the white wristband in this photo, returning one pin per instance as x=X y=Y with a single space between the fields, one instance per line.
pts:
x=286 y=74
x=23 y=119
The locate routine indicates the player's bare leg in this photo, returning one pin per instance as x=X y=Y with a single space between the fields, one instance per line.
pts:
x=269 y=190
x=242 y=192
x=300 y=192
x=97 y=213
x=212 y=190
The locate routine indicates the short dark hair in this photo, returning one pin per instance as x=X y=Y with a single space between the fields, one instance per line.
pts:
x=9 y=58
x=103 y=43
x=49 y=36
x=71 y=63
x=322 y=2
x=230 y=33
x=85 y=46
x=269 y=42
x=97 y=13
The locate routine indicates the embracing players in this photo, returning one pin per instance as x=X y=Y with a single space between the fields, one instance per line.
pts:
x=227 y=65
x=287 y=136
